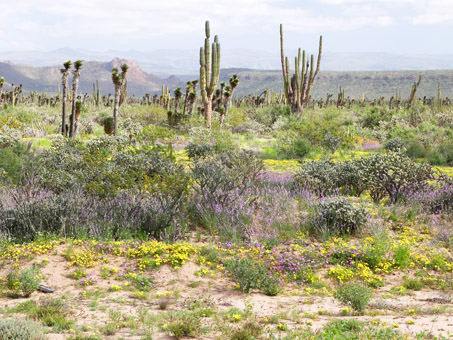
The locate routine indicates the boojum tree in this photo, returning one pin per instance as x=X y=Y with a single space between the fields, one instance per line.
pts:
x=209 y=72
x=118 y=80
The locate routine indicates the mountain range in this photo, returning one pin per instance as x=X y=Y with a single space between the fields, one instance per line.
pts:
x=257 y=71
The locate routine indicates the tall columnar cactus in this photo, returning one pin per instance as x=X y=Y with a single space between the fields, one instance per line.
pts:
x=64 y=80
x=118 y=80
x=298 y=86
x=75 y=86
x=209 y=72
x=96 y=93
x=413 y=92
x=439 y=98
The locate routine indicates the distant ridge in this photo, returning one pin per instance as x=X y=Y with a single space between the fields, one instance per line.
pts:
x=374 y=84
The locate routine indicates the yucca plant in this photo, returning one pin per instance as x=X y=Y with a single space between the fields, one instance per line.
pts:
x=118 y=80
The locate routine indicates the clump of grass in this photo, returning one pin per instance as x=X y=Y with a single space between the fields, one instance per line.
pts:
x=354 y=294
x=183 y=324
x=52 y=312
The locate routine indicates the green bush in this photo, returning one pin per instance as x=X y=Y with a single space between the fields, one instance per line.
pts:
x=184 y=324
x=248 y=331
x=338 y=216
x=442 y=154
x=9 y=137
x=416 y=149
x=53 y=312
x=15 y=329
x=199 y=151
x=394 y=144
x=331 y=142
x=268 y=115
x=320 y=176
x=26 y=281
x=249 y=274
x=354 y=294
x=352 y=176
x=394 y=174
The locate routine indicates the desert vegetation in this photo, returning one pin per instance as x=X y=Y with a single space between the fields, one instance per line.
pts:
x=207 y=215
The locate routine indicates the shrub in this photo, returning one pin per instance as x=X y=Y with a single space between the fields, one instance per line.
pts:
x=438 y=200
x=354 y=294
x=395 y=174
x=184 y=324
x=338 y=216
x=320 y=176
x=12 y=160
x=352 y=176
x=18 y=329
x=268 y=115
x=394 y=144
x=402 y=256
x=9 y=137
x=52 y=312
x=249 y=331
x=199 y=151
x=331 y=142
x=442 y=154
x=291 y=145
x=416 y=149
x=249 y=274
x=373 y=118
x=27 y=281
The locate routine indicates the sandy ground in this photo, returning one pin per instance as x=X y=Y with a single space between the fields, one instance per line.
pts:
x=296 y=307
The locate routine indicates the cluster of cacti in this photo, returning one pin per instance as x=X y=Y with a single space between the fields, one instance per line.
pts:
x=118 y=80
x=209 y=72
x=298 y=86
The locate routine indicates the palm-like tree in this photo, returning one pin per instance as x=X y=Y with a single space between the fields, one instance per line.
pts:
x=75 y=86
x=118 y=80
x=64 y=80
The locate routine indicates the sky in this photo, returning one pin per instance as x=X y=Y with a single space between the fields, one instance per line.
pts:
x=393 y=26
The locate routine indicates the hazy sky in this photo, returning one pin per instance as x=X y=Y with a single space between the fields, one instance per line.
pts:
x=398 y=26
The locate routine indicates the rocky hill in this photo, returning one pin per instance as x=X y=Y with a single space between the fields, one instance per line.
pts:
x=46 y=79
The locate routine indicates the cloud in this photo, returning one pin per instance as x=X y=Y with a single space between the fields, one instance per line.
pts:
x=33 y=21
x=139 y=24
x=434 y=12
